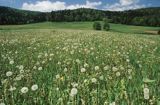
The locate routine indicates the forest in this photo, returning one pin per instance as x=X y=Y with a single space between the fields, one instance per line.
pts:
x=141 y=17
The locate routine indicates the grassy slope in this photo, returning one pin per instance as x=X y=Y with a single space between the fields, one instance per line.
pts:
x=79 y=25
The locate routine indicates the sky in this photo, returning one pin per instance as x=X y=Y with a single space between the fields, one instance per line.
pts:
x=53 y=5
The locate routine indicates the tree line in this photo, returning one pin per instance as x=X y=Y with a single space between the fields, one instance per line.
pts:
x=143 y=17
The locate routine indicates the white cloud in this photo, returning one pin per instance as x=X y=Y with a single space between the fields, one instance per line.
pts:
x=47 y=6
x=124 y=5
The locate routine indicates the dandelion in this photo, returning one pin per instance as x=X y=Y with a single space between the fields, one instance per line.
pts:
x=24 y=90
x=65 y=69
x=21 y=67
x=57 y=76
x=2 y=103
x=12 y=88
x=34 y=87
x=106 y=67
x=11 y=62
x=73 y=92
x=74 y=84
x=86 y=65
x=40 y=68
x=35 y=67
x=118 y=74
x=146 y=93
x=78 y=61
x=96 y=68
x=9 y=73
x=83 y=70
x=94 y=80
x=113 y=103
x=114 y=69
x=101 y=77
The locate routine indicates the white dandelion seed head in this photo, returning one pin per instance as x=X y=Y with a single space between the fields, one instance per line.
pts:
x=2 y=103
x=12 y=88
x=96 y=68
x=74 y=84
x=146 y=96
x=40 y=68
x=83 y=70
x=11 y=62
x=9 y=73
x=101 y=77
x=34 y=87
x=24 y=90
x=65 y=69
x=106 y=67
x=73 y=92
x=21 y=67
x=118 y=74
x=86 y=65
x=57 y=76
x=78 y=61
x=114 y=69
x=146 y=90
x=94 y=80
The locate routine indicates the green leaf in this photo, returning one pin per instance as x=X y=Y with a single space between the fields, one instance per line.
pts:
x=146 y=80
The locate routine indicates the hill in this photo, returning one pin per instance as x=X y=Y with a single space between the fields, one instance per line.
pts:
x=143 y=17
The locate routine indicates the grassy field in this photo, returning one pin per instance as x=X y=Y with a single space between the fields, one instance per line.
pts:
x=82 y=26
x=59 y=64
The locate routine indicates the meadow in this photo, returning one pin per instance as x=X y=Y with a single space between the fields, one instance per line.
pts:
x=50 y=65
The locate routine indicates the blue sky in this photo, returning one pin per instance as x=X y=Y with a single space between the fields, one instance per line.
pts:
x=49 y=5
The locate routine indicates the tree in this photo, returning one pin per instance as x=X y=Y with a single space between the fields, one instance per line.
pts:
x=159 y=32
x=97 y=26
x=106 y=25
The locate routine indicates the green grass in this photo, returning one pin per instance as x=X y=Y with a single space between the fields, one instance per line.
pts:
x=104 y=67
x=80 y=26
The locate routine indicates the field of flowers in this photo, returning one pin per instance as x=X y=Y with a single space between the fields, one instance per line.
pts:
x=74 y=67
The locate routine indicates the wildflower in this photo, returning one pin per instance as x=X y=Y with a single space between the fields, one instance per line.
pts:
x=118 y=74
x=83 y=70
x=86 y=65
x=40 y=68
x=11 y=62
x=101 y=77
x=96 y=68
x=106 y=67
x=21 y=67
x=78 y=61
x=115 y=69
x=113 y=103
x=34 y=67
x=24 y=90
x=9 y=73
x=74 y=84
x=2 y=103
x=57 y=76
x=34 y=87
x=74 y=91
x=65 y=69
x=94 y=80
x=12 y=88
x=146 y=93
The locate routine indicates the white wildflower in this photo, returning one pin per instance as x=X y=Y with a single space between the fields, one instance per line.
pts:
x=83 y=70
x=11 y=62
x=24 y=90
x=34 y=87
x=40 y=68
x=94 y=80
x=106 y=67
x=9 y=73
x=73 y=92
x=96 y=68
